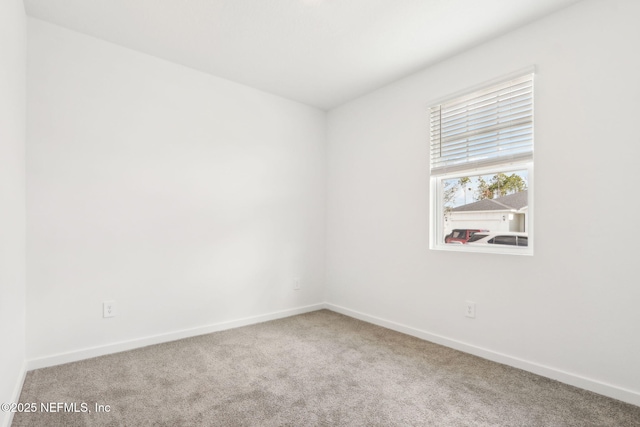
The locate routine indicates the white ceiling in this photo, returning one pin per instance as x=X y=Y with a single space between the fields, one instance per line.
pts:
x=319 y=52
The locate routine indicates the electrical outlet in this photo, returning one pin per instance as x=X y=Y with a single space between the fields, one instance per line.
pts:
x=296 y=284
x=470 y=309
x=109 y=309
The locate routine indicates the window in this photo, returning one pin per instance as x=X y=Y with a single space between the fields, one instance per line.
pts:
x=481 y=149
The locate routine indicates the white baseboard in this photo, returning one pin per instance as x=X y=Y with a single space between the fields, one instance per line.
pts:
x=87 y=353
x=609 y=390
x=17 y=389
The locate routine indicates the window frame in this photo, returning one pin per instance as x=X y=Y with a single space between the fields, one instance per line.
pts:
x=506 y=165
x=436 y=209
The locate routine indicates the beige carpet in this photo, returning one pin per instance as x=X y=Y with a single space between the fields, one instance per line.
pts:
x=316 y=369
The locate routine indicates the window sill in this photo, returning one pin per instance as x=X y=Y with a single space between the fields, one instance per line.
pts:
x=488 y=249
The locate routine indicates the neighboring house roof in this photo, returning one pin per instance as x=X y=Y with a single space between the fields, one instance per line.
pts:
x=515 y=201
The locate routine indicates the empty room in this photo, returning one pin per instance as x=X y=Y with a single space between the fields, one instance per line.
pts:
x=319 y=213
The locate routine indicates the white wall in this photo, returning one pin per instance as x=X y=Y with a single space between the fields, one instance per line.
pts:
x=189 y=200
x=571 y=310
x=12 y=199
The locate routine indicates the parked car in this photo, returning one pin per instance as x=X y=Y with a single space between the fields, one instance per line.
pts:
x=461 y=235
x=504 y=238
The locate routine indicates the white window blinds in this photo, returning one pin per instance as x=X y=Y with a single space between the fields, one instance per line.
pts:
x=490 y=126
